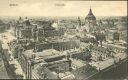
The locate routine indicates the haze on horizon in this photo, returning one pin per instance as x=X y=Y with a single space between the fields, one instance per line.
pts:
x=62 y=8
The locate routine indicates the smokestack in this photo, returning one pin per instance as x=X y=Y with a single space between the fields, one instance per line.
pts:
x=37 y=37
x=70 y=62
x=70 y=67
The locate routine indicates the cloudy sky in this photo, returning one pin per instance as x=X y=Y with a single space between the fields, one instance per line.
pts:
x=62 y=8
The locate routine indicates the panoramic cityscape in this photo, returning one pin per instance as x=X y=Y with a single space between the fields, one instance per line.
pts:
x=85 y=47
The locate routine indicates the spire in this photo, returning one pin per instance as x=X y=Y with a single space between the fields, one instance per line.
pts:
x=90 y=3
x=90 y=11
x=20 y=18
x=79 y=21
x=78 y=18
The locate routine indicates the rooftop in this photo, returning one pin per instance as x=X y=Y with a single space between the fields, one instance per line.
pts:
x=106 y=63
x=66 y=75
x=77 y=63
x=44 y=54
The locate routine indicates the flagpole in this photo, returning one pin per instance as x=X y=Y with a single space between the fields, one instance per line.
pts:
x=90 y=3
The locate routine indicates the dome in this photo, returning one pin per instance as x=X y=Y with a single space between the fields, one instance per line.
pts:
x=90 y=16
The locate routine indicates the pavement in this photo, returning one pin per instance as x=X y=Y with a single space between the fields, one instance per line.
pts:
x=3 y=72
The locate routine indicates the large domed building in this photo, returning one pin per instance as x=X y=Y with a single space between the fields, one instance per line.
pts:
x=90 y=21
x=90 y=16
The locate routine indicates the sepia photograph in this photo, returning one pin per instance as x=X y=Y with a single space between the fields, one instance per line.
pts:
x=63 y=39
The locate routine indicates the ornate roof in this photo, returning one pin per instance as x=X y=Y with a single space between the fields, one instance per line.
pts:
x=90 y=16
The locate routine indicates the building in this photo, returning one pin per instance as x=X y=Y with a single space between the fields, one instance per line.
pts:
x=90 y=20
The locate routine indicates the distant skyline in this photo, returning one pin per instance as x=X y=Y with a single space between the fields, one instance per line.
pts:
x=62 y=8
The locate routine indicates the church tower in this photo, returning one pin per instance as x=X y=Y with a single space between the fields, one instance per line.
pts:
x=79 y=21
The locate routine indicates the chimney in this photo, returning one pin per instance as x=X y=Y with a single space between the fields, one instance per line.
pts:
x=69 y=61
x=70 y=67
x=37 y=36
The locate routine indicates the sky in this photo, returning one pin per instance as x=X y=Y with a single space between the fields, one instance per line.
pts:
x=62 y=8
